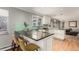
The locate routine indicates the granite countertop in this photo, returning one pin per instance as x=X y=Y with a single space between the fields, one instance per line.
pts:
x=36 y=34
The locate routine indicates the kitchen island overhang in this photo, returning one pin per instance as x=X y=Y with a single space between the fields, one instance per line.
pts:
x=45 y=43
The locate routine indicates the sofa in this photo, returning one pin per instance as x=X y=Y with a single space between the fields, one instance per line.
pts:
x=71 y=32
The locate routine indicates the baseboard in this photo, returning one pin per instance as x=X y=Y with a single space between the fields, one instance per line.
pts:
x=6 y=48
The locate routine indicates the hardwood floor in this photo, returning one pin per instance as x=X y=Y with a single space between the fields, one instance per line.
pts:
x=70 y=43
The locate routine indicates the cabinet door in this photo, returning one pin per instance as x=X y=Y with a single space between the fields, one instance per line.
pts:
x=39 y=22
x=36 y=21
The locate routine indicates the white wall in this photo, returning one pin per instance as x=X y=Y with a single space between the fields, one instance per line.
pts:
x=15 y=15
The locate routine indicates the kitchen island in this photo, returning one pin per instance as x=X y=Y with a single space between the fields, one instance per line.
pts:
x=45 y=43
x=43 y=40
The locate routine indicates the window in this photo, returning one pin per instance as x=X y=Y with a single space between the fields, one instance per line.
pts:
x=3 y=21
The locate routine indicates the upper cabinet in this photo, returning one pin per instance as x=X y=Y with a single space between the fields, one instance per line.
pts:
x=55 y=23
x=36 y=20
x=46 y=20
x=40 y=21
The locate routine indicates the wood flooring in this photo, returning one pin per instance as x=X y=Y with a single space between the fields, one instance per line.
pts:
x=70 y=43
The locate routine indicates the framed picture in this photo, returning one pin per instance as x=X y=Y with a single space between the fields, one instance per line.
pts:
x=72 y=23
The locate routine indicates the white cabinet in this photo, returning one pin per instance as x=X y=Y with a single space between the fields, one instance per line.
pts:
x=36 y=34
x=44 y=44
x=39 y=21
x=46 y=20
x=36 y=20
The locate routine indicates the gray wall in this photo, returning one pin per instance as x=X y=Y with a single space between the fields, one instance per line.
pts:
x=15 y=15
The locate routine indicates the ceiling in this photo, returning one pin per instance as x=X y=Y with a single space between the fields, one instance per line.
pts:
x=61 y=13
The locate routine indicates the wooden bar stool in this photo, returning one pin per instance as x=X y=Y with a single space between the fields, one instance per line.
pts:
x=27 y=47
